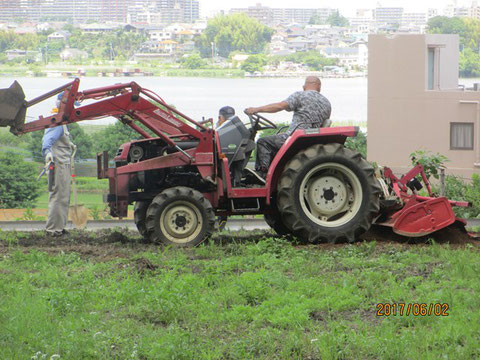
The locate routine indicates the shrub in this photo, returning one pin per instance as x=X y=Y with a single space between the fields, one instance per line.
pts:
x=193 y=61
x=254 y=63
x=358 y=143
x=432 y=163
x=457 y=189
x=18 y=185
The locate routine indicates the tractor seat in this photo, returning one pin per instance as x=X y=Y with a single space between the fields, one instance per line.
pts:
x=327 y=123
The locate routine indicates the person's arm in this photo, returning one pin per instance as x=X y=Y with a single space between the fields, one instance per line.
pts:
x=270 y=108
x=50 y=138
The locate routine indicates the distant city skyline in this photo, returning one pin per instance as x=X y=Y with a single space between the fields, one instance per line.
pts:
x=346 y=7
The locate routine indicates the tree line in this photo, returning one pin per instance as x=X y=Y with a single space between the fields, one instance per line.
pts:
x=117 y=45
x=468 y=30
x=224 y=36
x=88 y=145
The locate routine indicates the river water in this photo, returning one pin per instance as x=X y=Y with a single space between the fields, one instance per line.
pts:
x=202 y=97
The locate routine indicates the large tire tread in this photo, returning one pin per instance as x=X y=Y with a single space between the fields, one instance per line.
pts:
x=179 y=192
x=139 y=217
x=300 y=225
x=276 y=223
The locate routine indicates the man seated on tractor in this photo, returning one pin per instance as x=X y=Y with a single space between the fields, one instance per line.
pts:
x=310 y=110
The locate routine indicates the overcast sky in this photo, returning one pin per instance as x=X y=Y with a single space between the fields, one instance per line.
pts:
x=346 y=7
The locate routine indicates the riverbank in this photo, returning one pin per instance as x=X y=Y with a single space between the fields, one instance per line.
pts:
x=142 y=70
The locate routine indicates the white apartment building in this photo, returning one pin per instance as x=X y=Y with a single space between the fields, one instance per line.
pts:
x=160 y=34
x=388 y=15
x=414 y=19
x=432 y=13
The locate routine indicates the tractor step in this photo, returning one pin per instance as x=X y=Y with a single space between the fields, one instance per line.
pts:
x=247 y=205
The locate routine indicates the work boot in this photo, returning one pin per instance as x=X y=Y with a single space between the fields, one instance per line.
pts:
x=54 y=234
x=254 y=177
x=262 y=172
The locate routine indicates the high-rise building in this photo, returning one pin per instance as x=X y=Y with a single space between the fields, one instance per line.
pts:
x=165 y=11
x=414 y=19
x=388 y=15
x=432 y=13
x=263 y=14
x=76 y=10
x=272 y=16
x=191 y=10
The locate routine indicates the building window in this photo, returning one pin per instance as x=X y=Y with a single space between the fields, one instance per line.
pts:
x=431 y=67
x=461 y=136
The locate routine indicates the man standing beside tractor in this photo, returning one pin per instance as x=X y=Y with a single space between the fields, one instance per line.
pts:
x=310 y=110
x=58 y=149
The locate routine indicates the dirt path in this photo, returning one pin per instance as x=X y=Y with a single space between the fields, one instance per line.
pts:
x=106 y=245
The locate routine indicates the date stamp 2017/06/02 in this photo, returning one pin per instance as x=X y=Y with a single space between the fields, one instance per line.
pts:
x=415 y=309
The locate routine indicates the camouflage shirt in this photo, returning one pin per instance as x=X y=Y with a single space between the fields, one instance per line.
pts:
x=310 y=110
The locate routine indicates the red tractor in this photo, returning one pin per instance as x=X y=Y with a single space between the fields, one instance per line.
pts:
x=183 y=173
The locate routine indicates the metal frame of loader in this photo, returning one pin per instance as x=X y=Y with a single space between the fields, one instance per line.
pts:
x=406 y=212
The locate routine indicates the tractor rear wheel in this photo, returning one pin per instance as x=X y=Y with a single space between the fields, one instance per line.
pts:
x=274 y=220
x=328 y=193
x=140 y=216
x=180 y=216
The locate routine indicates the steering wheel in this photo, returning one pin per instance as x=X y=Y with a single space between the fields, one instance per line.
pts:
x=256 y=120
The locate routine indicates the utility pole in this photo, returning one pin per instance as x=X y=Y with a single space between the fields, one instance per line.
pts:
x=213 y=51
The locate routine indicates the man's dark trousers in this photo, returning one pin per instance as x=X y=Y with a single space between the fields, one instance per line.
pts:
x=267 y=148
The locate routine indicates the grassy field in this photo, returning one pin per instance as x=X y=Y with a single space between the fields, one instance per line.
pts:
x=90 y=192
x=120 y=299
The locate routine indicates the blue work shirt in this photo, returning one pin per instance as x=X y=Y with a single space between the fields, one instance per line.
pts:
x=50 y=137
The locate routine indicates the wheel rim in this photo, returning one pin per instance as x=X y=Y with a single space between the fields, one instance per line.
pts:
x=330 y=194
x=181 y=222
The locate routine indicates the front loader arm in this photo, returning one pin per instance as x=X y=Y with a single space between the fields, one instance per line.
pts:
x=128 y=102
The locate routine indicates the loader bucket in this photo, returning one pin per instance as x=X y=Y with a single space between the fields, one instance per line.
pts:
x=13 y=108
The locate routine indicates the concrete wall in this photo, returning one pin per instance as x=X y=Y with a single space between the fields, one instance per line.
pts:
x=403 y=116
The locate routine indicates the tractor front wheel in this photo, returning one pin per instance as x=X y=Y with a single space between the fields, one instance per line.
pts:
x=328 y=193
x=180 y=216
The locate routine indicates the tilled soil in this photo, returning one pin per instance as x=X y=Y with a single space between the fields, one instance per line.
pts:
x=106 y=245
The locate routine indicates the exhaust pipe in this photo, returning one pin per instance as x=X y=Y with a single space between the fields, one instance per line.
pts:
x=13 y=108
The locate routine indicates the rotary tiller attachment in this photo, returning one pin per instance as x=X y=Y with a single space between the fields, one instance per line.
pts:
x=13 y=108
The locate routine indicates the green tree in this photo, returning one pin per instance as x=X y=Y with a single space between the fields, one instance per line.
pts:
x=336 y=19
x=316 y=20
x=19 y=187
x=193 y=61
x=236 y=32
x=77 y=135
x=358 y=143
x=469 y=63
x=312 y=59
x=35 y=145
x=254 y=63
x=446 y=25
x=82 y=140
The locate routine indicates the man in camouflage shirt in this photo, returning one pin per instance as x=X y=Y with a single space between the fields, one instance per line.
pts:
x=310 y=110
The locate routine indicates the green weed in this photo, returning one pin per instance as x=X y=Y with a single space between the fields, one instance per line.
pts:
x=250 y=300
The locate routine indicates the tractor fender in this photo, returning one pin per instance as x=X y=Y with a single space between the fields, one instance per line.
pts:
x=299 y=140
